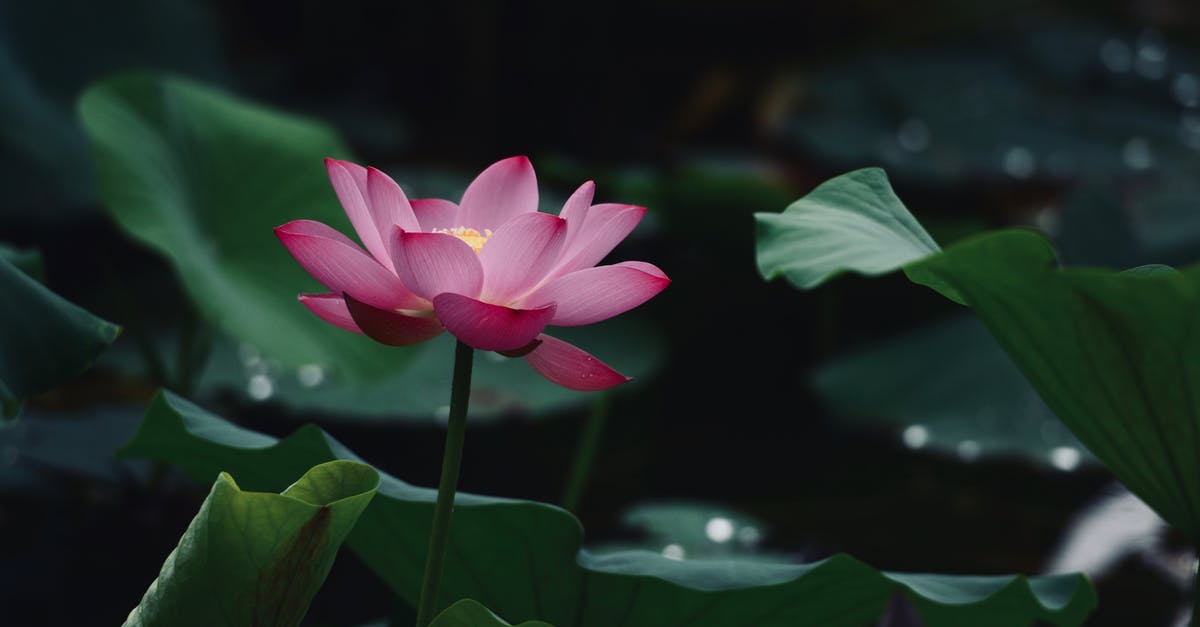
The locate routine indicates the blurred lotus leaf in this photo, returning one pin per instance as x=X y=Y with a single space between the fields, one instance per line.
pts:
x=44 y=339
x=1047 y=99
x=948 y=387
x=692 y=530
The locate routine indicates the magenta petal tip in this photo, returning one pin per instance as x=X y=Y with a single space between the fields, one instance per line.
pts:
x=572 y=367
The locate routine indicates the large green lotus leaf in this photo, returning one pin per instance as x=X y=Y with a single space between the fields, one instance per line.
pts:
x=964 y=397
x=1113 y=354
x=948 y=387
x=523 y=559
x=468 y=613
x=1116 y=355
x=257 y=558
x=853 y=222
x=44 y=339
x=204 y=178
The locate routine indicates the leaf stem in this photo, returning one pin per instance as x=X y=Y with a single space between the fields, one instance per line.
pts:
x=460 y=393
x=585 y=452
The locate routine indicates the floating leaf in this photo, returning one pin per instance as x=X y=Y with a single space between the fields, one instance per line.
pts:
x=523 y=559
x=1030 y=102
x=468 y=613
x=203 y=178
x=853 y=222
x=44 y=339
x=950 y=388
x=256 y=558
x=1116 y=355
x=693 y=530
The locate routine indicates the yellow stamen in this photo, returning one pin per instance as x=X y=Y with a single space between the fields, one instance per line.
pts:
x=472 y=237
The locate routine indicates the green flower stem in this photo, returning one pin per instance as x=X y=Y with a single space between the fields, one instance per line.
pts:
x=585 y=452
x=460 y=393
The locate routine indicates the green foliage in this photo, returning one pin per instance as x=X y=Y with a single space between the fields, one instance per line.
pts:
x=254 y=558
x=468 y=613
x=853 y=222
x=523 y=559
x=44 y=339
x=950 y=384
x=204 y=178
x=1116 y=355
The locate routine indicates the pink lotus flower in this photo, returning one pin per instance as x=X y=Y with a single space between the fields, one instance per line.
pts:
x=491 y=270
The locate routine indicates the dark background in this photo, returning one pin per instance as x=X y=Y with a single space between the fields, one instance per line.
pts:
x=703 y=99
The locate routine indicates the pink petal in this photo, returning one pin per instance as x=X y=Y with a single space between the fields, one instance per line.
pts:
x=490 y=327
x=575 y=210
x=392 y=327
x=435 y=263
x=350 y=183
x=340 y=265
x=605 y=226
x=331 y=308
x=571 y=367
x=644 y=267
x=519 y=254
x=357 y=172
x=595 y=294
x=389 y=205
x=435 y=213
x=505 y=189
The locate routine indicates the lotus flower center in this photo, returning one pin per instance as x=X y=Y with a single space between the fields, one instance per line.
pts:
x=472 y=237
